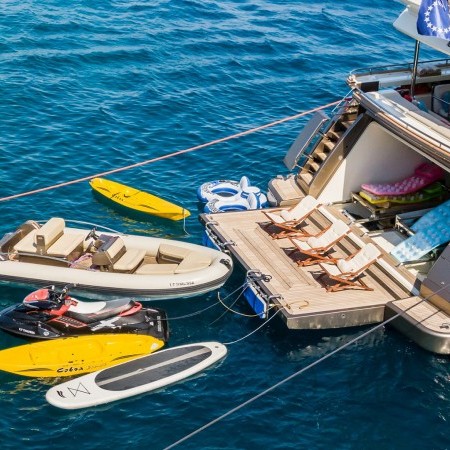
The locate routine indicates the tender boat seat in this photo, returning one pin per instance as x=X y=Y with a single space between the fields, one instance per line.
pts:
x=129 y=261
x=168 y=253
x=156 y=269
x=66 y=245
x=27 y=244
x=114 y=256
x=50 y=240
x=39 y=240
x=193 y=261
x=187 y=260
x=112 y=249
x=172 y=259
x=48 y=234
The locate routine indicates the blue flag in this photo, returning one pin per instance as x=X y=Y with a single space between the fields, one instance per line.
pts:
x=434 y=19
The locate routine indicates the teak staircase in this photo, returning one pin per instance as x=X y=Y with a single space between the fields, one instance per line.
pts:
x=322 y=145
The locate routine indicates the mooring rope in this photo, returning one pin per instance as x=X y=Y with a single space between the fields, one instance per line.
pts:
x=170 y=155
x=252 y=332
x=230 y=308
x=195 y=313
x=242 y=288
x=200 y=311
x=299 y=372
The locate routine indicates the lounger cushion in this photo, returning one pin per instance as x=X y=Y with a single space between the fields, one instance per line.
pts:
x=306 y=205
x=345 y=266
x=296 y=213
x=360 y=260
x=318 y=242
x=332 y=269
x=277 y=218
x=301 y=245
x=336 y=231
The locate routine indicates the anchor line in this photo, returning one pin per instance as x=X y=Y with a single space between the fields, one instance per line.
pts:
x=170 y=155
x=299 y=372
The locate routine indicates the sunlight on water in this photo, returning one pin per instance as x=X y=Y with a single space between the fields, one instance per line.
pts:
x=93 y=86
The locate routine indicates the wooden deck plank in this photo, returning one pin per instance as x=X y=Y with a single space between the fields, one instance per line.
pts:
x=303 y=292
x=424 y=313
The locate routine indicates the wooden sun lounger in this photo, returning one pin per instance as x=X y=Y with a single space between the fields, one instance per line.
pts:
x=346 y=272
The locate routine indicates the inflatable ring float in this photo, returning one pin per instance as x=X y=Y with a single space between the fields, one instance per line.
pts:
x=217 y=206
x=241 y=202
x=221 y=189
x=260 y=199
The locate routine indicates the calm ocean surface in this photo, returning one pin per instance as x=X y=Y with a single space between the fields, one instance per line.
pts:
x=87 y=87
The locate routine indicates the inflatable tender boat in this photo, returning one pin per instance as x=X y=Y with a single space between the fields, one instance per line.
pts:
x=107 y=264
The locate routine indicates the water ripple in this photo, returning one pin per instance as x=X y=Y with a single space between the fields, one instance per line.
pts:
x=88 y=87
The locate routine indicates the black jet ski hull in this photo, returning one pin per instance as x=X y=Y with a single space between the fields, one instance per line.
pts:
x=19 y=321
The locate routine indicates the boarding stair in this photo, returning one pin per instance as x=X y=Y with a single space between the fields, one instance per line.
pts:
x=321 y=146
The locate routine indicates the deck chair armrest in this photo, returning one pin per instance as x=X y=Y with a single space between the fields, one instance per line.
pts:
x=349 y=257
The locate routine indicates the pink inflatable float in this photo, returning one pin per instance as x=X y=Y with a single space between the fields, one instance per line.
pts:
x=423 y=176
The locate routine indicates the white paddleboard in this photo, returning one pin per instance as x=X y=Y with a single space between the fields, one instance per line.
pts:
x=136 y=376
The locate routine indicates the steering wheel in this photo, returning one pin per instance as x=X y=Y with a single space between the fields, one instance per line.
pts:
x=92 y=234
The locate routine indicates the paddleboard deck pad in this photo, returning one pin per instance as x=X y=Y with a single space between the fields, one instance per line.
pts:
x=137 y=376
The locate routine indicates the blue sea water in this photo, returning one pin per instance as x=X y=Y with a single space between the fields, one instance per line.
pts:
x=87 y=87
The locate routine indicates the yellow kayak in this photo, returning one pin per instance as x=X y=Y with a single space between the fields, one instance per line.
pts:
x=136 y=200
x=70 y=356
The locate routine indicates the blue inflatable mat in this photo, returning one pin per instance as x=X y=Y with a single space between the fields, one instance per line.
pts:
x=425 y=240
x=439 y=214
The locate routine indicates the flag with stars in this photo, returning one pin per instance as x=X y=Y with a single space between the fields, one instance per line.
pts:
x=434 y=19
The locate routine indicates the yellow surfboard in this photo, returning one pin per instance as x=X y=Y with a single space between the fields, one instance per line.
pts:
x=136 y=200
x=71 y=356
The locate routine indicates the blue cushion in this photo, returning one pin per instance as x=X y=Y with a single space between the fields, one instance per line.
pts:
x=439 y=214
x=423 y=242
